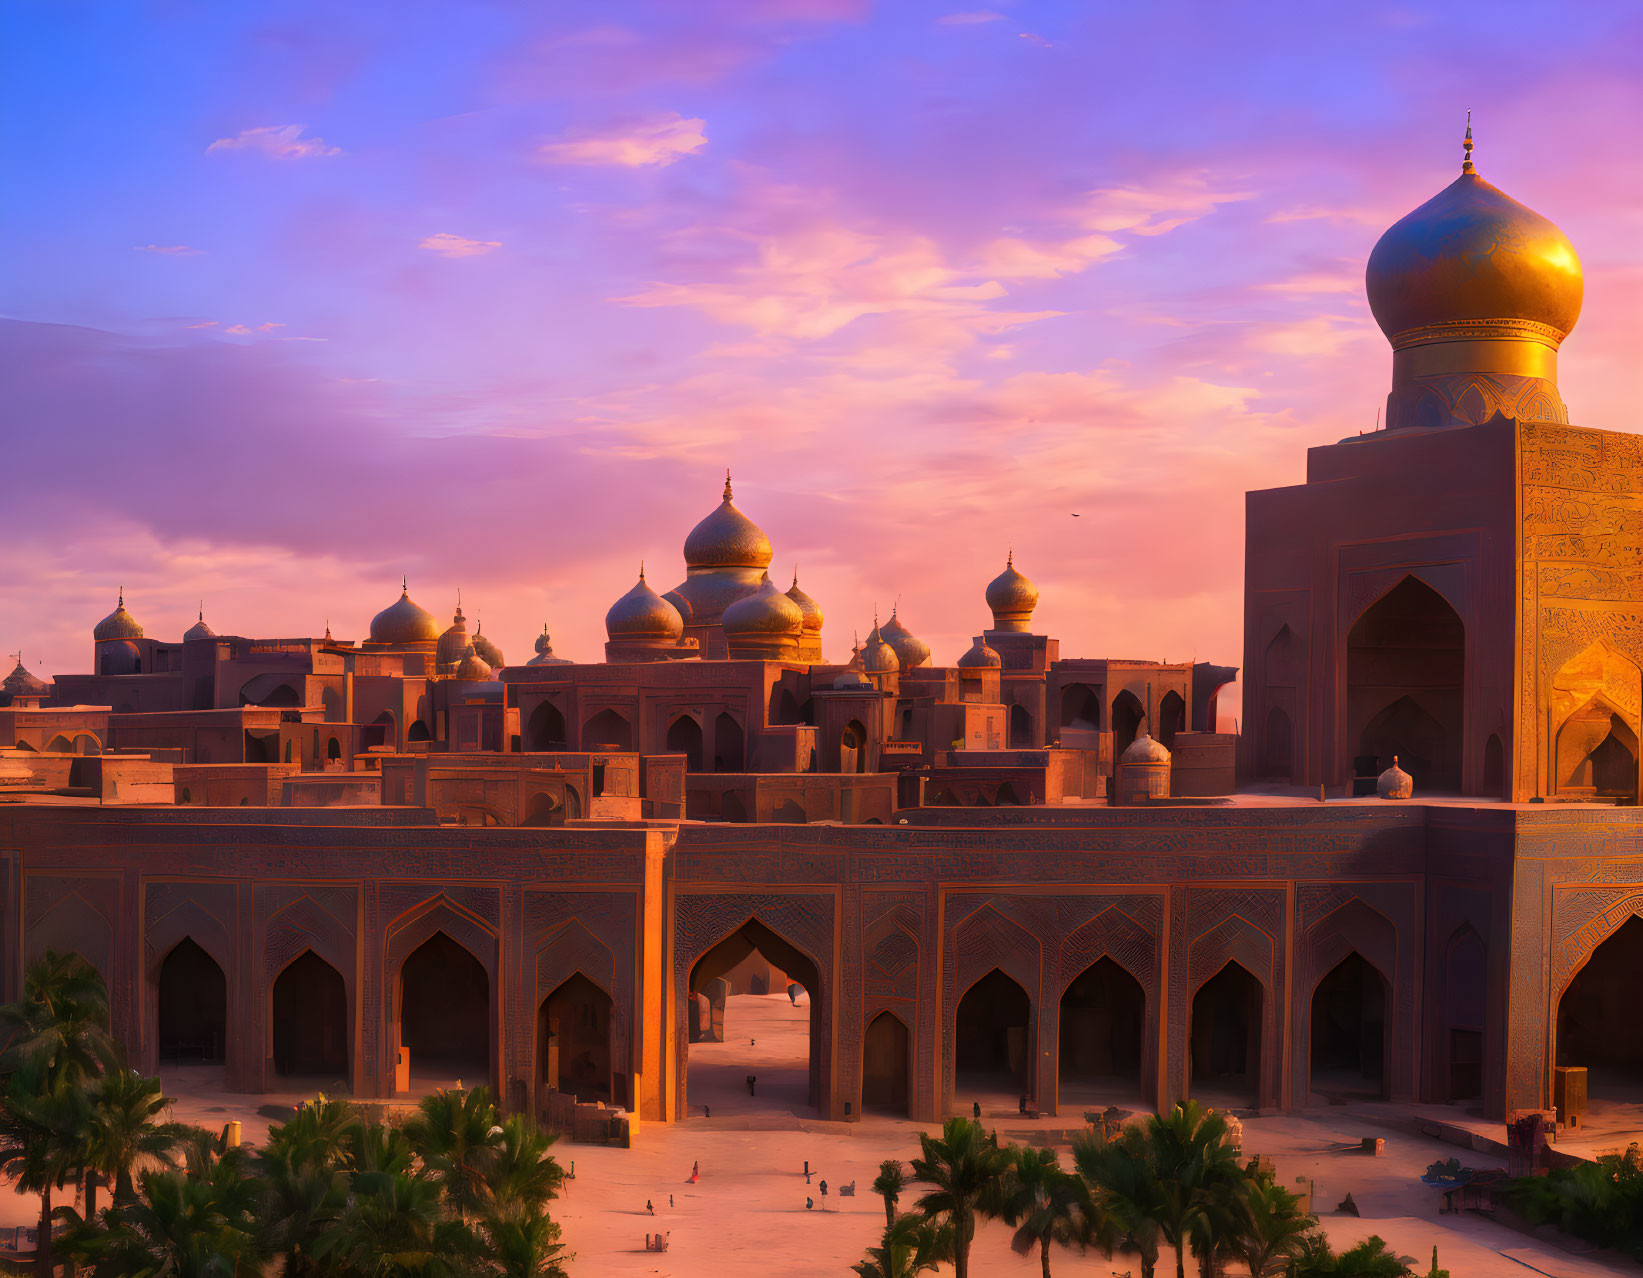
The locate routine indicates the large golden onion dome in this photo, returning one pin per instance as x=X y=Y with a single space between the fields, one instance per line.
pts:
x=767 y=611
x=878 y=657
x=643 y=614
x=727 y=539
x=119 y=624
x=980 y=657
x=911 y=651
x=488 y=652
x=199 y=630
x=1472 y=261
x=808 y=606
x=1012 y=598
x=404 y=621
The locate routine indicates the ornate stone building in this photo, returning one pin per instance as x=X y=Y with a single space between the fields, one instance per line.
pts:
x=541 y=870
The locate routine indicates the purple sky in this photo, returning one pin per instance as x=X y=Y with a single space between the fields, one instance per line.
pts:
x=302 y=298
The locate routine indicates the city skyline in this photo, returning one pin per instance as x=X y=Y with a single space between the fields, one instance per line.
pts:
x=494 y=302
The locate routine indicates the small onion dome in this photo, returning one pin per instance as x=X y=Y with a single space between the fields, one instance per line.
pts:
x=767 y=611
x=404 y=622
x=911 y=651
x=1144 y=750
x=878 y=657
x=1012 y=598
x=21 y=682
x=199 y=630
x=1473 y=262
x=544 y=651
x=808 y=606
x=980 y=657
x=849 y=681
x=488 y=652
x=643 y=614
x=119 y=624
x=679 y=602
x=472 y=667
x=454 y=641
x=1395 y=783
x=727 y=539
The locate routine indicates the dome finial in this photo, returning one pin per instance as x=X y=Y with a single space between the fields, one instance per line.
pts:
x=122 y=596
x=404 y=584
x=727 y=483
x=1466 y=147
x=202 y=610
x=641 y=570
x=1009 y=559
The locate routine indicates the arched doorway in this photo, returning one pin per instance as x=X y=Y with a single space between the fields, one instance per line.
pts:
x=684 y=736
x=546 y=729
x=1278 y=754
x=543 y=811
x=1405 y=672
x=444 y=1014
x=1465 y=980
x=727 y=745
x=1080 y=708
x=193 y=1007
x=1597 y=754
x=1103 y=1019
x=309 y=1020
x=59 y=744
x=1128 y=717
x=787 y=707
x=1349 y=1039
x=885 y=1060
x=775 y=1037
x=853 y=748
x=418 y=731
x=573 y=1051
x=607 y=730
x=1021 y=728
x=1597 y=1021
x=1172 y=718
x=333 y=750
x=992 y=1043
x=1226 y=1038
x=382 y=731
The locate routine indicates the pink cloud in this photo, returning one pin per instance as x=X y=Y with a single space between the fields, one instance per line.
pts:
x=282 y=142
x=448 y=245
x=168 y=250
x=969 y=19
x=657 y=140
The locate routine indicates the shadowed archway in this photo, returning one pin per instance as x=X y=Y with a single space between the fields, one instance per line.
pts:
x=1103 y=1015
x=444 y=1013
x=684 y=736
x=309 y=1020
x=573 y=1046
x=1350 y=1011
x=192 y=1023
x=1597 y=1021
x=1226 y=1036
x=546 y=729
x=885 y=1066
x=992 y=1041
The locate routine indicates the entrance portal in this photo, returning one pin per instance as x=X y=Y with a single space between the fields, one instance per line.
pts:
x=684 y=736
x=573 y=1042
x=885 y=1059
x=1348 y=1050
x=193 y=1012
x=1226 y=1036
x=1597 y=1023
x=310 y=1020
x=444 y=1013
x=992 y=1046
x=1103 y=1015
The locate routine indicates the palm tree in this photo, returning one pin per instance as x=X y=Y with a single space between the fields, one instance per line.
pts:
x=1121 y=1179
x=964 y=1165
x=40 y=1147
x=454 y=1133
x=316 y=1135
x=1273 y=1228
x=910 y=1247
x=121 y=1132
x=888 y=1185
x=1045 y=1203
x=393 y=1227
x=520 y=1175
x=61 y=1024
x=1194 y=1170
x=524 y=1247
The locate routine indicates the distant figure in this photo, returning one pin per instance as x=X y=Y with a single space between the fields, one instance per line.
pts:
x=847 y=1191
x=809 y=1204
x=807 y=1167
x=695 y=1169
x=752 y=1041
x=670 y=1200
x=751 y=1079
x=793 y=991
x=807 y=1173
x=707 y=1111
x=650 y=1207
x=823 y=1188
x=1022 y=1107
x=975 y=1108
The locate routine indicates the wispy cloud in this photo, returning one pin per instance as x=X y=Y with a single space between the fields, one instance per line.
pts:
x=168 y=250
x=969 y=19
x=281 y=141
x=448 y=245
x=249 y=330
x=656 y=140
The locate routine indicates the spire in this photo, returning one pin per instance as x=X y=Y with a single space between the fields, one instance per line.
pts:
x=202 y=610
x=727 y=483
x=1466 y=147
x=1009 y=559
x=405 y=586
x=795 y=584
x=122 y=596
x=641 y=570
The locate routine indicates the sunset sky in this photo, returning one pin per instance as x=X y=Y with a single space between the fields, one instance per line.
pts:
x=299 y=299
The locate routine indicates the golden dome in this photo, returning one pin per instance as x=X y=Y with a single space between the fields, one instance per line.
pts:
x=1144 y=750
x=808 y=606
x=404 y=622
x=681 y=603
x=1012 y=598
x=199 y=630
x=119 y=624
x=643 y=614
x=471 y=667
x=980 y=657
x=727 y=539
x=911 y=651
x=767 y=611
x=878 y=657
x=1472 y=263
x=454 y=641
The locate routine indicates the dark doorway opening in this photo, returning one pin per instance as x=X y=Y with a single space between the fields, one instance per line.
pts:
x=1021 y=728
x=1172 y=718
x=607 y=730
x=573 y=1049
x=1103 y=1017
x=1349 y=1042
x=193 y=1006
x=1080 y=708
x=1278 y=757
x=310 y=1020
x=1597 y=755
x=1128 y=717
x=1597 y=1021
x=1405 y=671
x=728 y=753
x=444 y=1013
x=885 y=1060
x=684 y=736
x=1465 y=979
x=1226 y=1036
x=853 y=748
x=992 y=1041
x=546 y=729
